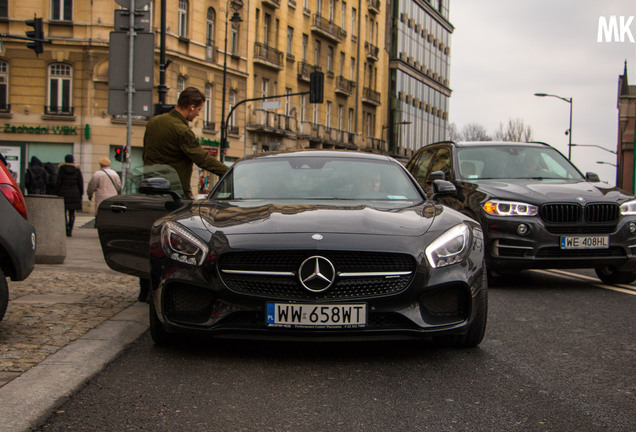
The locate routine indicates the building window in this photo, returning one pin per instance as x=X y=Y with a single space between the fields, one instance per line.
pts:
x=183 y=18
x=305 y=43
x=266 y=21
x=332 y=10
x=4 y=8
x=231 y=102
x=330 y=60
x=234 y=39
x=328 y=114
x=343 y=17
x=264 y=87
x=181 y=81
x=4 y=86
x=290 y=40
x=352 y=69
x=209 y=25
x=350 y=124
x=317 y=53
x=207 y=109
x=59 y=95
x=303 y=110
x=287 y=101
x=62 y=10
x=316 y=117
x=353 y=22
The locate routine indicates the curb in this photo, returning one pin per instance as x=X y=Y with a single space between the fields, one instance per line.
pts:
x=30 y=399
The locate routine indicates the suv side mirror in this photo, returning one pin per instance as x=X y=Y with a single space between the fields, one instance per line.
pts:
x=437 y=175
x=442 y=188
x=592 y=177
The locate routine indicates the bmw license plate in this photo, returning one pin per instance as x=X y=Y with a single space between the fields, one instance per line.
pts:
x=316 y=315
x=585 y=242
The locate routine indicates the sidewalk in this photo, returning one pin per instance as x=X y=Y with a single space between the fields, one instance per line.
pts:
x=63 y=324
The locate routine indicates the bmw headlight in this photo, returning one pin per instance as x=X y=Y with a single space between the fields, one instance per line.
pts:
x=509 y=208
x=628 y=208
x=450 y=248
x=181 y=245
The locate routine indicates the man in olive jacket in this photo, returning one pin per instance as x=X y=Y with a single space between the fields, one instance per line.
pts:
x=170 y=141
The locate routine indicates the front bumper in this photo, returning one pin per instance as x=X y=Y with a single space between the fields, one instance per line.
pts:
x=507 y=250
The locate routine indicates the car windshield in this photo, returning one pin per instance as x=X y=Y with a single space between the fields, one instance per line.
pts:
x=514 y=162
x=317 y=177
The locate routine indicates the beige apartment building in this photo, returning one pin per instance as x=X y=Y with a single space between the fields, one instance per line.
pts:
x=56 y=103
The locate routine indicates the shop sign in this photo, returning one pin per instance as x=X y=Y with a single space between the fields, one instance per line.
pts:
x=207 y=142
x=39 y=130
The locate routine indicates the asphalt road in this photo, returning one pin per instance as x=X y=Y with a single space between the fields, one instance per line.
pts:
x=559 y=355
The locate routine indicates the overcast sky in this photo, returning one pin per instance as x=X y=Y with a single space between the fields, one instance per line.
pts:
x=505 y=51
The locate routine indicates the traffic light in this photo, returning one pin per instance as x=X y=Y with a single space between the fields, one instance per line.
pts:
x=37 y=34
x=121 y=154
x=316 y=87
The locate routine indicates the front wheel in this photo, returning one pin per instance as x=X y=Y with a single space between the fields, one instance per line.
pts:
x=610 y=275
x=158 y=332
x=4 y=294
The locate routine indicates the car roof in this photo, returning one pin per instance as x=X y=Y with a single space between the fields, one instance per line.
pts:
x=318 y=153
x=493 y=143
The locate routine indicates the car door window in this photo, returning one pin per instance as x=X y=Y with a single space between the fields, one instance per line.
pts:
x=420 y=168
x=149 y=171
x=442 y=162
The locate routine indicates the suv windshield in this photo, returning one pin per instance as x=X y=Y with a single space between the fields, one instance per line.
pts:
x=317 y=178
x=514 y=162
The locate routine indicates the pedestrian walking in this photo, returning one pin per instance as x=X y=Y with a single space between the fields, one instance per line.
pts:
x=51 y=184
x=105 y=183
x=36 y=177
x=168 y=140
x=70 y=185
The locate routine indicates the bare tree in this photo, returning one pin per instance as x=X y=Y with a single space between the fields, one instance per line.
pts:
x=514 y=130
x=474 y=132
x=453 y=133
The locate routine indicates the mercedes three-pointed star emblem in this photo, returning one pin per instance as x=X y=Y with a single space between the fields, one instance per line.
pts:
x=317 y=274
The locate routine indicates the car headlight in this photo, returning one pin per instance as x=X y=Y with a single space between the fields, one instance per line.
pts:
x=181 y=245
x=628 y=208
x=509 y=208
x=450 y=248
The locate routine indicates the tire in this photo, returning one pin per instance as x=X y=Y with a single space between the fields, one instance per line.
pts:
x=610 y=275
x=477 y=329
x=144 y=290
x=4 y=294
x=157 y=331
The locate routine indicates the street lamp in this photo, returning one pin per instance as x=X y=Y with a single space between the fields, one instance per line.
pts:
x=606 y=163
x=569 y=131
x=235 y=5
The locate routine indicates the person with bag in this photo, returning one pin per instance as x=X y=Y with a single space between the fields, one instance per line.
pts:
x=36 y=177
x=105 y=183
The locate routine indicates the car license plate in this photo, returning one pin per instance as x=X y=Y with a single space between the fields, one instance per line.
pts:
x=316 y=315
x=585 y=242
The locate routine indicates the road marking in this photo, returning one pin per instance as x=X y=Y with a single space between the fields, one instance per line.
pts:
x=622 y=288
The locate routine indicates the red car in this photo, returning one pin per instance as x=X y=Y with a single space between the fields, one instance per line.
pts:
x=17 y=235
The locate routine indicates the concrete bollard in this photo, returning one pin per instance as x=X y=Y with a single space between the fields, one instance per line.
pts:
x=46 y=213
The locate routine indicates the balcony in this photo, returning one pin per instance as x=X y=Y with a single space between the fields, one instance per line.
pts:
x=59 y=110
x=372 y=51
x=268 y=56
x=328 y=29
x=374 y=6
x=233 y=130
x=305 y=69
x=271 y=123
x=345 y=86
x=371 y=96
x=209 y=126
x=272 y=3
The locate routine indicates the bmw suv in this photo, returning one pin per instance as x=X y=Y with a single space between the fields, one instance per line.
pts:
x=537 y=210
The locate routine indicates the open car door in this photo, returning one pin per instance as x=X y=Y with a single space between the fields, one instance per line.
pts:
x=124 y=221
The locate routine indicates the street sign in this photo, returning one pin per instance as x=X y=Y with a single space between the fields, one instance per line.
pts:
x=122 y=20
x=270 y=105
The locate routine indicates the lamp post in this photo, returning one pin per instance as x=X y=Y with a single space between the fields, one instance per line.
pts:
x=569 y=131
x=235 y=5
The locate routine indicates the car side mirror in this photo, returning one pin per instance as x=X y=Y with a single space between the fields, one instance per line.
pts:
x=442 y=188
x=592 y=177
x=158 y=186
x=436 y=175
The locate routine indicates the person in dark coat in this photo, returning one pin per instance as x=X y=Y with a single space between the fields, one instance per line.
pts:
x=51 y=185
x=36 y=177
x=70 y=185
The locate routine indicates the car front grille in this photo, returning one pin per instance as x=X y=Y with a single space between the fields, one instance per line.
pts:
x=594 y=213
x=556 y=252
x=252 y=274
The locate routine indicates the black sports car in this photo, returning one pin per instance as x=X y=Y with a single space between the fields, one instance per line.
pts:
x=310 y=245
x=537 y=210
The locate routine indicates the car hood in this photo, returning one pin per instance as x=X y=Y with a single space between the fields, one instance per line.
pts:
x=542 y=191
x=259 y=217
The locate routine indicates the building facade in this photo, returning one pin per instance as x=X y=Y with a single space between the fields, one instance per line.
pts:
x=419 y=70
x=57 y=102
x=626 y=105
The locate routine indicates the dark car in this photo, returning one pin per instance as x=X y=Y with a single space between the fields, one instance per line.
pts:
x=537 y=210
x=304 y=245
x=17 y=236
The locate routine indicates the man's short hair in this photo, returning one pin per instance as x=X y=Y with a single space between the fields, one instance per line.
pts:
x=190 y=96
